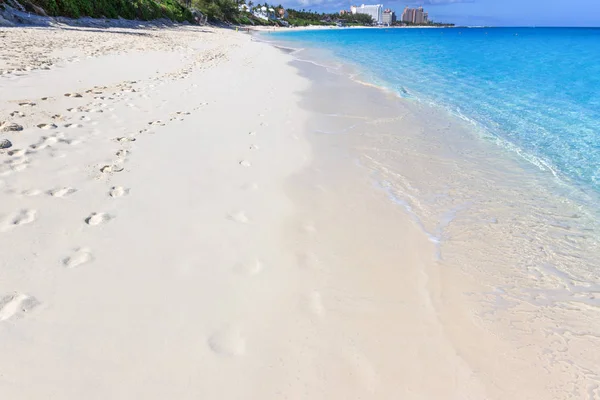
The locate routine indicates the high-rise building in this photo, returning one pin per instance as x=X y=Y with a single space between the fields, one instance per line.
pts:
x=418 y=16
x=415 y=16
x=408 y=15
x=375 y=11
x=389 y=17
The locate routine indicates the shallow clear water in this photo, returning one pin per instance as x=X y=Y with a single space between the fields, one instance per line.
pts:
x=507 y=193
x=535 y=90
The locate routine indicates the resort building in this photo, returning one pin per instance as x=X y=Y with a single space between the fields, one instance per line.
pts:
x=375 y=11
x=415 y=16
x=264 y=13
x=389 y=17
x=419 y=16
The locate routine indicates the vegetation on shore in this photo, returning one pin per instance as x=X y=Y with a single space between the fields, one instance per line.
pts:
x=243 y=14
x=305 y=18
x=128 y=9
x=218 y=11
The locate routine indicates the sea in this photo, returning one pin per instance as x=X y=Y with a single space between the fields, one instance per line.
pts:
x=490 y=142
x=537 y=90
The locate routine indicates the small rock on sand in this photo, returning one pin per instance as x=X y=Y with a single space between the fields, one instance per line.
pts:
x=5 y=144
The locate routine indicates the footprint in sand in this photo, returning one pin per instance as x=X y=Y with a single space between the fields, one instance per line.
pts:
x=17 y=114
x=22 y=217
x=16 y=305
x=44 y=142
x=71 y=142
x=118 y=191
x=47 y=126
x=27 y=104
x=81 y=256
x=245 y=163
x=73 y=95
x=227 y=342
x=122 y=153
x=249 y=268
x=17 y=153
x=252 y=133
x=157 y=122
x=254 y=147
x=10 y=127
x=107 y=169
x=125 y=139
x=73 y=126
x=62 y=192
x=98 y=218
x=239 y=217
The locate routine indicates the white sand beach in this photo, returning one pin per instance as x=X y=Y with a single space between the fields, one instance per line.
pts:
x=167 y=230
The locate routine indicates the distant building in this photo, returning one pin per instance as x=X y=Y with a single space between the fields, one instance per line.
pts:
x=389 y=17
x=415 y=16
x=264 y=13
x=406 y=15
x=419 y=16
x=343 y=12
x=375 y=11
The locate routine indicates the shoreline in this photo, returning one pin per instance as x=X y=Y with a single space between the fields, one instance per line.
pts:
x=474 y=229
x=266 y=29
x=326 y=59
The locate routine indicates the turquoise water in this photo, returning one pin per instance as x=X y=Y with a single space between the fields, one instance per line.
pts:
x=535 y=90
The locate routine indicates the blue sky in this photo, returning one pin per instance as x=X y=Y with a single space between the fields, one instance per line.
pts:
x=483 y=12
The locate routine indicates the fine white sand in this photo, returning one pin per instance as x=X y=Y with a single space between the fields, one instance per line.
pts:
x=167 y=231
x=142 y=212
